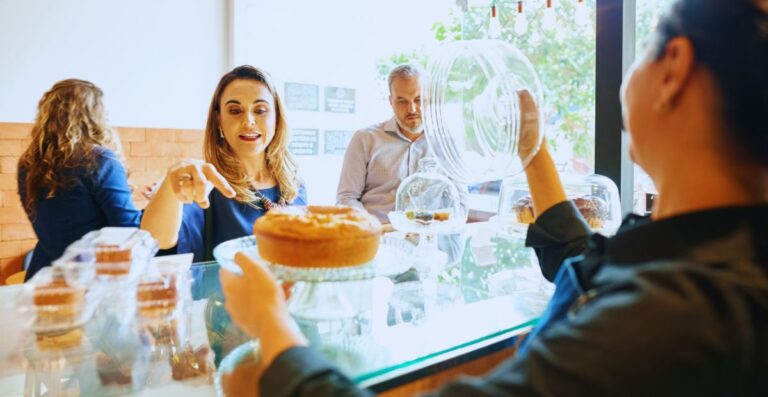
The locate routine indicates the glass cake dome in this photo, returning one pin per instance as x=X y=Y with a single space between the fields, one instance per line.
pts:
x=471 y=108
x=427 y=201
x=595 y=196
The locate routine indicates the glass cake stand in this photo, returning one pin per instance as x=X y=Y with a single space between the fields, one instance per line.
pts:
x=392 y=258
x=328 y=305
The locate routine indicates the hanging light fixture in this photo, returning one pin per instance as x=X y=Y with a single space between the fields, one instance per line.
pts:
x=582 y=15
x=494 y=26
x=521 y=23
x=549 y=21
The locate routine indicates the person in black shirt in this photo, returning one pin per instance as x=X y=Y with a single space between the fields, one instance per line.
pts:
x=675 y=303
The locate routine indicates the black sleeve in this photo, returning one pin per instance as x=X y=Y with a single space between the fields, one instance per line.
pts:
x=558 y=233
x=668 y=345
x=302 y=371
x=627 y=343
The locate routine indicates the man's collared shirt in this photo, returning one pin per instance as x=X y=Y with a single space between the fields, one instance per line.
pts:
x=378 y=158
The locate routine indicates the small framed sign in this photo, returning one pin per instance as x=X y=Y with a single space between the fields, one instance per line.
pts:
x=339 y=100
x=304 y=142
x=300 y=96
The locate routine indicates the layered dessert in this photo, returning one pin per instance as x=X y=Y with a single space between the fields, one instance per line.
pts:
x=157 y=297
x=59 y=309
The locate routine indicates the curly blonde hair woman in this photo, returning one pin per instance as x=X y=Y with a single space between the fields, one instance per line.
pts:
x=72 y=177
x=246 y=160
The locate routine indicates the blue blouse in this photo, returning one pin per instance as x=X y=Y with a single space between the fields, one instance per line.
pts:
x=226 y=219
x=100 y=197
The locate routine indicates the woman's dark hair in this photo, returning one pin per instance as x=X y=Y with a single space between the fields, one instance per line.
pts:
x=730 y=39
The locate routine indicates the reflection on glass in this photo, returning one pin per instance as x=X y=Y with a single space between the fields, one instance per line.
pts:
x=470 y=103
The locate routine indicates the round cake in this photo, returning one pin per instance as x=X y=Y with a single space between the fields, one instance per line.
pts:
x=317 y=236
x=593 y=208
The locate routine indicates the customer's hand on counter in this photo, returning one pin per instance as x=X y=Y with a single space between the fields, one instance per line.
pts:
x=257 y=305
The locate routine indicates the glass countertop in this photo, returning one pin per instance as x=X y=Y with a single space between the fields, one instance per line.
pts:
x=481 y=287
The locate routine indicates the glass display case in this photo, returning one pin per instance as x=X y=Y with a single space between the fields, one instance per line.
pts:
x=488 y=293
x=595 y=196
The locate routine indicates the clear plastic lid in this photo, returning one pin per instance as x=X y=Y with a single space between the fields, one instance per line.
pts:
x=157 y=295
x=595 y=196
x=52 y=304
x=427 y=199
x=115 y=252
x=472 y=111
x=161 y=290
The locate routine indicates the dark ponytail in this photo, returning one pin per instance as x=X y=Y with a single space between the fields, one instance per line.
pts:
x=730 y=39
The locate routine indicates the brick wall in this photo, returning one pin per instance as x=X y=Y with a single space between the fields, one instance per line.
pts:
x=150 y=151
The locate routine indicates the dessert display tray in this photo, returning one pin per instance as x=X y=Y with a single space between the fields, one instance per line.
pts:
x=401 y=222
x=393 y=258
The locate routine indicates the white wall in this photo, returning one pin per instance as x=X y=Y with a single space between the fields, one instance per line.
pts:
x=332 y=43
x=158 y=61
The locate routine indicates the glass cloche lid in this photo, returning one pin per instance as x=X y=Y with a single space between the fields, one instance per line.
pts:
x=471 y=108
x=595 y=196
x=427 y=200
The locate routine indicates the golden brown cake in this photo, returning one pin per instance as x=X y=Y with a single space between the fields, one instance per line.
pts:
x=317 y=236
x=523 y=209
x=594 y=209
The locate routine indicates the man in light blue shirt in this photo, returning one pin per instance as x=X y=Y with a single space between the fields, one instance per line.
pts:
x=379 y=157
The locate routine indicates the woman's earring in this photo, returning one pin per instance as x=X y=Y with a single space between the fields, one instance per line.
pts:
x=221 y=133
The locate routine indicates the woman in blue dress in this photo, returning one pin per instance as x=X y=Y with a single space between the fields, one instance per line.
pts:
x=72 y=177
x=247 y=170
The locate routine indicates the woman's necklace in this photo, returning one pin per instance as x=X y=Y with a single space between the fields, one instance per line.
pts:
x=263 y=202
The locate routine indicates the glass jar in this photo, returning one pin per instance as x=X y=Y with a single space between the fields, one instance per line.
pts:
x=471 y=108
x=595 y=196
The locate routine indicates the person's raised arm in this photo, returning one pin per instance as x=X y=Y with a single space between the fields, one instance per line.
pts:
x=559 y=231
x=543 y=179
